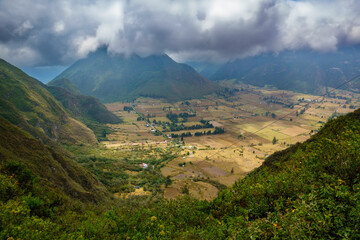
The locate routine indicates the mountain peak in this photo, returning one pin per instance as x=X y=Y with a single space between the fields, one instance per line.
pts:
x=115 y=77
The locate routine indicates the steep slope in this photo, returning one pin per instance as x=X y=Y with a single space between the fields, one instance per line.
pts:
x=301 y=71
x=87 y=109
x=66 y=84
x=20 y=148
x=84 y=107
x=113 y=78
x=310 y=190
x=27 y=103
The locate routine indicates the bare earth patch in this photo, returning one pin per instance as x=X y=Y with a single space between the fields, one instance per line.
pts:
x=211 y=170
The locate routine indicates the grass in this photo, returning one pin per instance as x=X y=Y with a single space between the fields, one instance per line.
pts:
x=235 y=115
x=310 y=190
x=26 y=103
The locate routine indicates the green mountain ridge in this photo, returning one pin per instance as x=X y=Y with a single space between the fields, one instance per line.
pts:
x=86 y=109
x=43 y=161
x=27 y=103
x=116 y=78
x=66 y=84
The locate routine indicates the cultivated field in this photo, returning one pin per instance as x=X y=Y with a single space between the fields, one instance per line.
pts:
x=257 y=122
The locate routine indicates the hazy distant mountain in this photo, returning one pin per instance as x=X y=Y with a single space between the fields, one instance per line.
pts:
x=302 y=71
x=206 y=69
x=113 y=77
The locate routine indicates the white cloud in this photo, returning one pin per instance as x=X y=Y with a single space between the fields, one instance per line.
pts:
x=19 y=55
x=23 y=28
x=61 y=31
x=354 y=34
x=59 y=27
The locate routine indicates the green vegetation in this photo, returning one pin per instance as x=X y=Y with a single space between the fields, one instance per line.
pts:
x=66 y=84
x=19 y=148
x=115 y=77
x=310 y=190
x=27 y=103
x=123 y=175
x=86 y=109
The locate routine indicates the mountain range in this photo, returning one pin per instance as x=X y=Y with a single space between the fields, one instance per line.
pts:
x=299 y=71
x=112 y=77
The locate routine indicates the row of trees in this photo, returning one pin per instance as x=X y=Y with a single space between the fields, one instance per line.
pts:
x=217 y=130
x=173 y=117
x=205 y=124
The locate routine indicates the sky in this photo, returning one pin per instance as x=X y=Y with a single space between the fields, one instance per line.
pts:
x=42 y=34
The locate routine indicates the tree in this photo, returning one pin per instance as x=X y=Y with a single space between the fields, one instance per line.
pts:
x=168 y=181
x=185 y=189
x=274 y=140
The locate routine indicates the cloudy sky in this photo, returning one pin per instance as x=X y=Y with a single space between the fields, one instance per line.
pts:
x=45 y=33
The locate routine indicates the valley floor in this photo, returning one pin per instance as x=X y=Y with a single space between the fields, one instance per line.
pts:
x=257 y=122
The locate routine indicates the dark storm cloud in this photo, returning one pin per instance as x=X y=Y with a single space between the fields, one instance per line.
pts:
x=217 y=34
x=41 y=32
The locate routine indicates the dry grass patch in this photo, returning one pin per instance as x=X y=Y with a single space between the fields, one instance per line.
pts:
x=294 y=131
